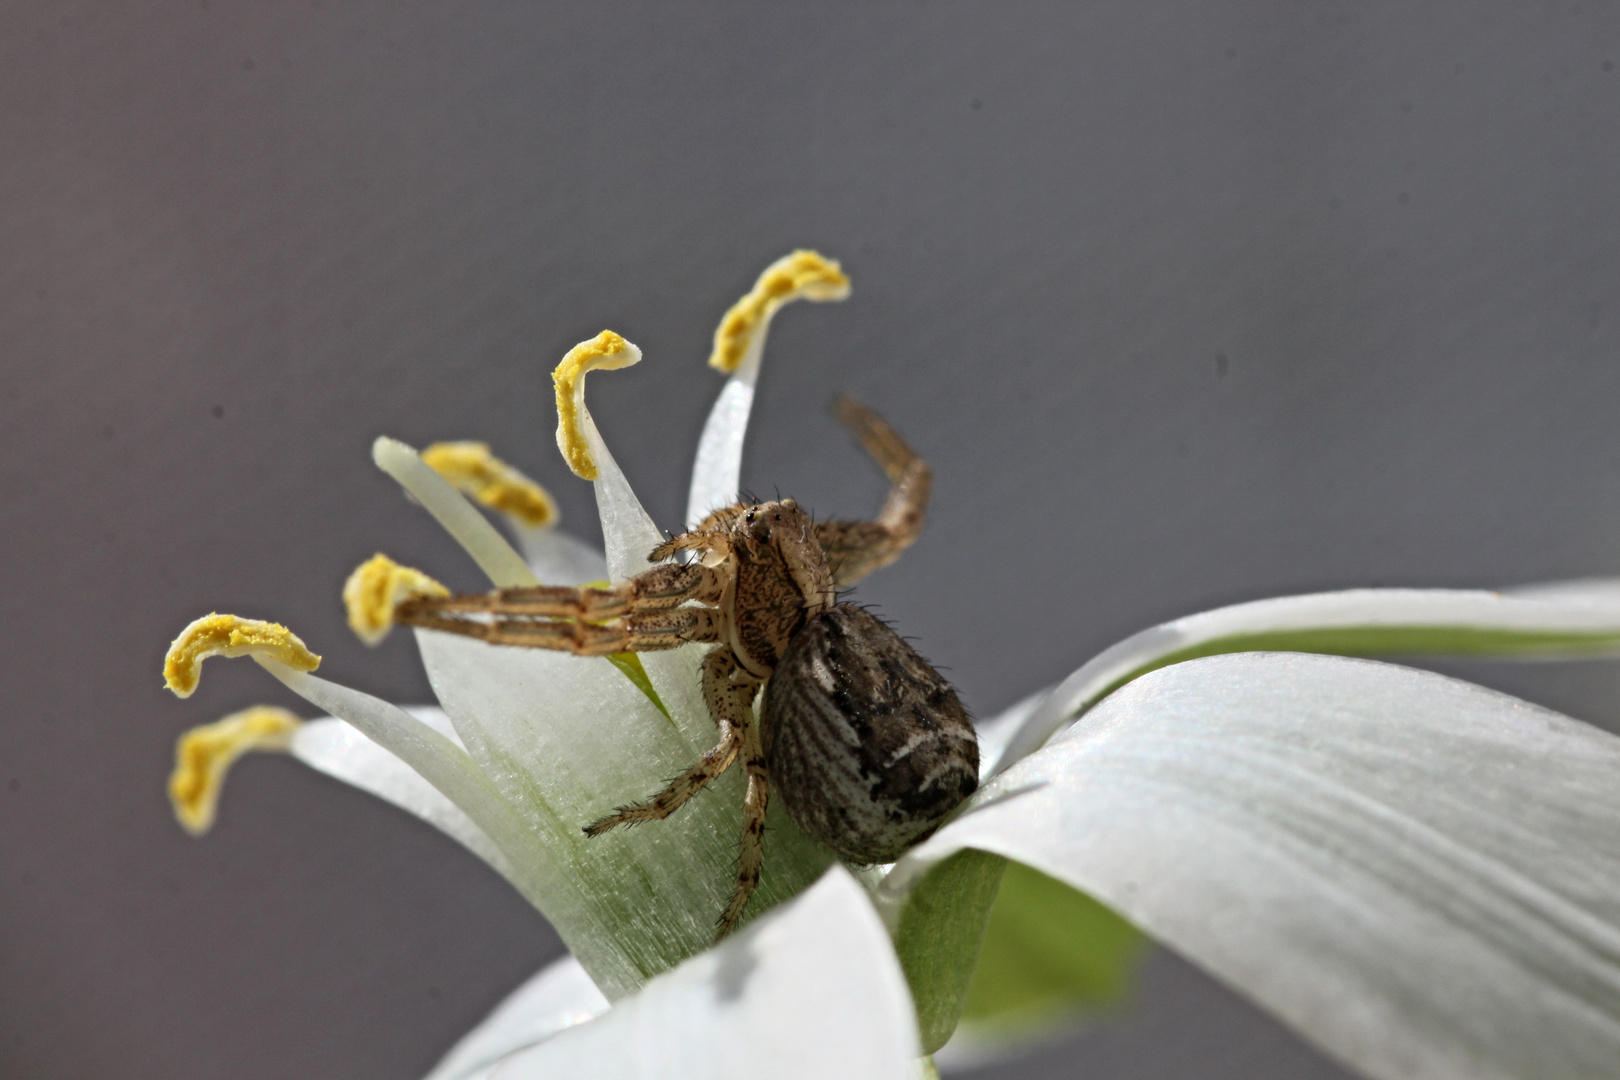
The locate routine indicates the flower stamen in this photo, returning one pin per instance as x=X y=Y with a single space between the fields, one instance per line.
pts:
x=230 y=635
x=203 y=756
x=803 y=275
x=376 y=588
x=473 y=470
x=606 y=351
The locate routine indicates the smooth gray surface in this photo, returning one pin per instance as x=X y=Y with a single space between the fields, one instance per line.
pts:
x=1188 y=303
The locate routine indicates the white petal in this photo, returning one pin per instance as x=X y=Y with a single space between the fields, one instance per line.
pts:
x=435 y=757
x=559 y=996
x=559 y=558
x=339 y=750
x=628 y=533
x=1597 y=591
x=1418 y=874
x=567 y=739
x=814 y=992
x=453 y=510
x=1366 y=622
x=995 y=733
x=717 y=470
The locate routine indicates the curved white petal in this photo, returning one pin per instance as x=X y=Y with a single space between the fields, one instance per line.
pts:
x=813 y=991
x=455 y=512
x=559 y=996
x=628 y=533
x=1596 y=591
x=717 y=469
x=567 y=739
x=995 y=733
x=560 y=558
x=1418 y=874
x=339 y=750
x=439 y=761
x=1365 y=622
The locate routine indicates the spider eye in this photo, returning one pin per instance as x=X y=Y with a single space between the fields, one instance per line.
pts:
x=749 y=517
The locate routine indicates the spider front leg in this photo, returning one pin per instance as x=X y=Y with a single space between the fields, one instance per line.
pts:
x=658 y=589
x=731 y=705
x=856 y=548
x=634 y=633
x=638 y=615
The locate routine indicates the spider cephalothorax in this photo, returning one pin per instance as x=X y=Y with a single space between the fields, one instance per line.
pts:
x=866 y=743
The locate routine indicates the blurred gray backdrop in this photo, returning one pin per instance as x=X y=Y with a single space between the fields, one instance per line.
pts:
x=1188 y=303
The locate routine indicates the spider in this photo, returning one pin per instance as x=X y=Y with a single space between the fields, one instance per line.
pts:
x=867 y=744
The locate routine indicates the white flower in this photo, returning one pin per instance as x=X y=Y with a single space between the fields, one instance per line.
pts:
x=1417 y=874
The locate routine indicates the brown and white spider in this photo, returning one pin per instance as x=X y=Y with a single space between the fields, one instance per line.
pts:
x=867 y=744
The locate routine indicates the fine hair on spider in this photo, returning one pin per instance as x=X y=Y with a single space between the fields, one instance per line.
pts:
x=867 y=745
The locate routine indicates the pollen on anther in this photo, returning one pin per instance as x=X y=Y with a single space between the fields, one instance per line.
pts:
x=606 y=351
x=376 y=588
x=803 y=275
x=203 y=756
x=472 y=469
x=230 y=635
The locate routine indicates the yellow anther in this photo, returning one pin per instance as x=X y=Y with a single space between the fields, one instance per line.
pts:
x=204 y=755
x=471 y=468
x=376 y=588
x=803 y=275
x=230 y=635
x=605 y=351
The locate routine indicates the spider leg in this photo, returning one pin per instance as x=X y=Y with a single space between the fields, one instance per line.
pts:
x=658 y=589
x=751 y=856
x=856 y=548
x=651 y=632
x=701 y=538
x=732 y=709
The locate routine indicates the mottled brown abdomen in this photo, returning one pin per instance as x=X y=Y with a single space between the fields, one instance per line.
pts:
x=867 y=745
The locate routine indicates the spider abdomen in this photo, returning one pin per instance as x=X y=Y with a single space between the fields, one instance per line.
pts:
x=867 y=745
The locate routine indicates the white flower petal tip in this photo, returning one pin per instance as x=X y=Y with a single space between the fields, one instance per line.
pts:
x=339 y=750
x=451 y=509
x=802 y=275
x=438 y=759
x=1354 y=622
x=811 y=991
x=560 y=996
x=203 y=755
x=475 y=472
x=1419 y=875
x=606 y=351
x=230 y=636
x=376 y=588
x=1593 y=591
x=739 y=343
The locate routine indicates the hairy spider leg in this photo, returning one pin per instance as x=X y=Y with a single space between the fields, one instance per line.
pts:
x=704 y=538
x=856 y=548
x=731 y=705
x=634 y=633
x=658 y=589
x=751 y=855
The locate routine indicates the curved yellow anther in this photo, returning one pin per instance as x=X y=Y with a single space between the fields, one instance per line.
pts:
x=471 y=468
x=376 y=588
x=205 y=754
x=230 y=635
x=605 y=351
x=803 y=275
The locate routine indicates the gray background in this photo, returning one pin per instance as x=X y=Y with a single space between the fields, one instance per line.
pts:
x=1187 y=302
